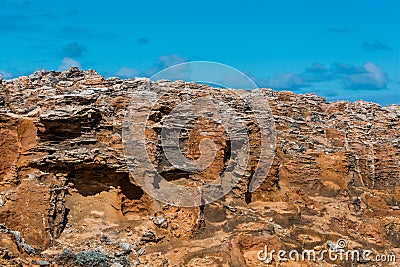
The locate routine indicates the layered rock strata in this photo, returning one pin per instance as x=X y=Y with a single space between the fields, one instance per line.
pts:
x=66 y=192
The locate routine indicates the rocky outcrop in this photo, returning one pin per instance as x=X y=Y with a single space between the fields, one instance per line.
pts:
x=65 y=187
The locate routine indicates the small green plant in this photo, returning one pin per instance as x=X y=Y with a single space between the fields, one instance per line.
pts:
x=91 y=258
x=66 y=258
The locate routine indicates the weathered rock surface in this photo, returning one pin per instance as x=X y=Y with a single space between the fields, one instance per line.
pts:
x=66 y=189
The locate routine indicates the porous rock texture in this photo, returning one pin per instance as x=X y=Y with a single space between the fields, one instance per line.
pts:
x=66 y=192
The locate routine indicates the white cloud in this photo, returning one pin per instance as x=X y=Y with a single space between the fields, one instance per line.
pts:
x=68 y=63
x=287 y=81
x=366 y=77
x=373 y=78
x=127 y=72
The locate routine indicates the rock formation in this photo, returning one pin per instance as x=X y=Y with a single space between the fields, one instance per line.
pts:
x=67 y=197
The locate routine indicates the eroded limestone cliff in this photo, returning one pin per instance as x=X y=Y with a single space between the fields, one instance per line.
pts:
x=67 y=197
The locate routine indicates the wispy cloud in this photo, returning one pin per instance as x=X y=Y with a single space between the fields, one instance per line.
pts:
x=74 y=49
x=164 y=62
x=287 y=81
x=374 y=45
x=127 y=72
x=68 y=63
x=346 y=69
x=338 y=30
x=366 y=77
x=317 y=72
x=143 y=41
x=372 y=79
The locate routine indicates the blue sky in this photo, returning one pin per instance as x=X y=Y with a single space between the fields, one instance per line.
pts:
x=337 y=49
